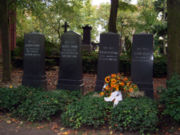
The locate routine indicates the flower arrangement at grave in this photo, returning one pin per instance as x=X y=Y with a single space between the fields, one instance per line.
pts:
x=117 y=87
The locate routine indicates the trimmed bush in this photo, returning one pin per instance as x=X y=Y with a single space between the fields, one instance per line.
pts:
x=160 y=67
x=42 y=105
x=89 y=111
x=135 y=114
x=33 y=104
x=170 y=98
x=89 y=61
x=12 y=97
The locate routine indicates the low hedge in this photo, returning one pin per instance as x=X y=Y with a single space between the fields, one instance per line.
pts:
x=132 y=114
x=89 y=111
x=135 y=114
x=11 y=98
x=170 y=98
x=34 y=104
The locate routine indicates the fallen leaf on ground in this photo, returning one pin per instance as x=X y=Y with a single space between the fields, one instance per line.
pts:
x=40 y=127
x=64 y=133
x=21 y=122
x=61 y=129
x=8 y=122
x=14 y=120
x=54 y=126
x=111 y=132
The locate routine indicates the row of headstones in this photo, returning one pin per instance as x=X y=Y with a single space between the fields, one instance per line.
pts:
x=70 y=70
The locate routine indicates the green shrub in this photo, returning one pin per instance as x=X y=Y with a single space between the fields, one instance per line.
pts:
x=12 y=97
x=135 y=114
x=160 y=67
x=34 y=104
x=89 y=111
x=170 y=98
x=89 y=62
x=43 y=105
x=124 y=65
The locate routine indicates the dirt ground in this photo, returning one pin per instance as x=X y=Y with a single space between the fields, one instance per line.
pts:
x=88 y=79
x=11 y=126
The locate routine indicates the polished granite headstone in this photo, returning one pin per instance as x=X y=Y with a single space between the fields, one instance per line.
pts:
x=142 y=62
x=108 y=60
x=34 y=65
x=70 y=72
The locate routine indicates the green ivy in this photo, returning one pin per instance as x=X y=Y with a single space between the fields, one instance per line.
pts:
x=42 y=105
x=89 y=111
x=170 y=98
x=135 y=114
x=12 y=97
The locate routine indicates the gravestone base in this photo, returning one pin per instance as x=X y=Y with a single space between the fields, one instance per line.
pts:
x=147 y=88
x=99 y=85
x=36 y=82
x=70 y=84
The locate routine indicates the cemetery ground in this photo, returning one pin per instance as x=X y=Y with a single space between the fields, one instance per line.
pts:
x=10 y=125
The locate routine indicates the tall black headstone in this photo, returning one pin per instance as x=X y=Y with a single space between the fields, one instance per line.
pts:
x=86 y=42
x=34 y=66
x=70 y=72
x=108 y=61
x=142 y=63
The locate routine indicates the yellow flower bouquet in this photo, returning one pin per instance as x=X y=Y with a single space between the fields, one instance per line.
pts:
x=117 y=82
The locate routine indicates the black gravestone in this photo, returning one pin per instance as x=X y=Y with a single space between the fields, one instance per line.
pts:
x=86 y=43
x=87 y=34
x=108 y=61
x=142 y=63
x=70 y=72
x=34 y=66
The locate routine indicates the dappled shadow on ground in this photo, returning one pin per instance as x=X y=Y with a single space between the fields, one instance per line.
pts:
x=12 y=126
x=88 y=79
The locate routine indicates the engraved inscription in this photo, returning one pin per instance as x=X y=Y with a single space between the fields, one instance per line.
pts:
x=142 y=55
x=32 y=50
x=69 y=49
x=108 y=54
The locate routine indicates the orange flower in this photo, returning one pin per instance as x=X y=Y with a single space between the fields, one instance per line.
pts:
x=135 y=86
x=101 y=93
x=121 y=84
x=113 y=85
x=107 y=79
x=128 y=84
x=125 y=78
x=117 y=88
x=118 y=78
x=107 y=87
x=113 y=75
x=113 y=81
x=131 y=90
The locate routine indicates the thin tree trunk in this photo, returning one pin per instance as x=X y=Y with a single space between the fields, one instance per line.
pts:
x=113 y=16
x=173 y=37
x=5 y=40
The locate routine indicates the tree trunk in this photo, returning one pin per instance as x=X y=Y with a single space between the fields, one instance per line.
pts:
x=173 y=37
x=5 y=40
x=113 y=16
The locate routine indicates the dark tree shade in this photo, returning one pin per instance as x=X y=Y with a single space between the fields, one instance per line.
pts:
x=5 y=39
x=173 y=37
x=113 y=16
